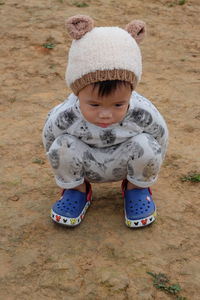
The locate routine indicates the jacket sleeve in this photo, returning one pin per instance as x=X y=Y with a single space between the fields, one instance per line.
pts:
x=57 y=119
x=48 y=134
x=151 y=121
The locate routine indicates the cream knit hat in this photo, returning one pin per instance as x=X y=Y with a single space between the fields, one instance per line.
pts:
x=103 y=53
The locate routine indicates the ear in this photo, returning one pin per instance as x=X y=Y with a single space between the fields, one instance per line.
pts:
x=77 y=26
x=137 y=30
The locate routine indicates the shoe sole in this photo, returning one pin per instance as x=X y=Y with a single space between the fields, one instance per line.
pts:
x=140 y=222
x=71 y=222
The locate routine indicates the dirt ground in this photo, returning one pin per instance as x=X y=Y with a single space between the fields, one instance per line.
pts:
x=102 y=258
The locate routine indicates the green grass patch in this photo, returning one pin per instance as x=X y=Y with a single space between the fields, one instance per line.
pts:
x=52 y=66
x=181 y=2
x=12 y=100
x=38 y=161
x=48 y=45
x=80 y=4
x=191 y=177
x=162 y=282
x=178 y=2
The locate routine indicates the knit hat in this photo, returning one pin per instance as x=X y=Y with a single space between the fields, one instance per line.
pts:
x=103 y=53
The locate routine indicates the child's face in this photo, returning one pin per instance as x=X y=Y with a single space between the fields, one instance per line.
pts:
x=107 y=110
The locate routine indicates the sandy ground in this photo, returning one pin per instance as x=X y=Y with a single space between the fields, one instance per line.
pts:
x=102 y=258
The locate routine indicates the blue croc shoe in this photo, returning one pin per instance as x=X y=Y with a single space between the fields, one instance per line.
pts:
x=140 y=209
x=72 y=206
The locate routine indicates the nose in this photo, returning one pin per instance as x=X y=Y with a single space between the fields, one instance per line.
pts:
x=105 y=114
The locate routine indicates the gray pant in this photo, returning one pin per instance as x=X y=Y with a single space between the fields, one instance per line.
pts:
x=138 y=159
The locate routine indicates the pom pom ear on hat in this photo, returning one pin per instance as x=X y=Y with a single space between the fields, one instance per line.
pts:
x=137 y=30
x=77 y=26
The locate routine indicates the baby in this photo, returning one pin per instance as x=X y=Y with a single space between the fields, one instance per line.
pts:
x=105 y=131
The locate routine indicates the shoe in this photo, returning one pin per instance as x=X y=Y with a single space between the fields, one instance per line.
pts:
x=140 y=209
x=72 y=206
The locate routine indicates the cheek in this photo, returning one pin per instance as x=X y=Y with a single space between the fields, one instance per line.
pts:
x=122 y=115
x=83 y=109
x=122 y=112
x=88 y=113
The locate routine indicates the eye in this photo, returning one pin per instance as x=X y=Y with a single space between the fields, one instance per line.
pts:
x=94 y=104
x=119 y=104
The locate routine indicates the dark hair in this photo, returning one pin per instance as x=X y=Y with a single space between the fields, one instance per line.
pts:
x=107 y=87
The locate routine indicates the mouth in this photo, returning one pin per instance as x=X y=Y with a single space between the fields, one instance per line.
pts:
x=103 y=125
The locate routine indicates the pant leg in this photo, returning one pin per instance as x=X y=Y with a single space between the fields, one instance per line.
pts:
x=73 y=161
x=65 y=156
x=145 y=160
x=138 y=159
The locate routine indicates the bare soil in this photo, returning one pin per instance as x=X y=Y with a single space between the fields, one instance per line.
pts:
x=102 y=258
